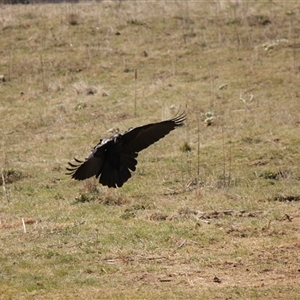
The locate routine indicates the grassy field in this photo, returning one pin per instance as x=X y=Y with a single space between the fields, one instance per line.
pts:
x=218 y=222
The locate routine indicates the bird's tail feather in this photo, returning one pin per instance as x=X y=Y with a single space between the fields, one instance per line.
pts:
x=115 y=175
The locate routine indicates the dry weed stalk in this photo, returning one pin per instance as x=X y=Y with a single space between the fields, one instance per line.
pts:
x=198 y=147
x=226 y=177
x=24 y=225
x=10 y=66
x=4 y=187
x=43 y=74
x=135 y=84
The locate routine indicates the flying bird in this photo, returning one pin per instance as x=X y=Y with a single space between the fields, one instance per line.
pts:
x=112 y=159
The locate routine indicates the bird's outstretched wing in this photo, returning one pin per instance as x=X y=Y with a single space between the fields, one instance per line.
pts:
x=91 y=166
x=139 y=138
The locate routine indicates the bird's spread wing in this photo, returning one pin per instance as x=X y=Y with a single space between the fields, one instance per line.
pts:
x=139 y=138
x=90 y=167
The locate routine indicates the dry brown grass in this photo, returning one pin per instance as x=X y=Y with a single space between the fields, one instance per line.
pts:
x=218 y=222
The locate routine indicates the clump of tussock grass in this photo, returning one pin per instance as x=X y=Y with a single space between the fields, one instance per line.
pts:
x=11 y=176
x=83 y=88
x=73 y=18
x=185 y=147
x=55 y=86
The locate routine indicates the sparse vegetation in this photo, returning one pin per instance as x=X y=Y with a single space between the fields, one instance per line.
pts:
x=220 y=221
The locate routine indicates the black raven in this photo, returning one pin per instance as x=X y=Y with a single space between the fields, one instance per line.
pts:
x=113 y=158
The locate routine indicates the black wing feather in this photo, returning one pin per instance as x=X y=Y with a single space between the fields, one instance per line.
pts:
x=90 y=167
x=140 y=138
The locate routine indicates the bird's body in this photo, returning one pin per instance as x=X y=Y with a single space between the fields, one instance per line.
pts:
x=112 y=159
